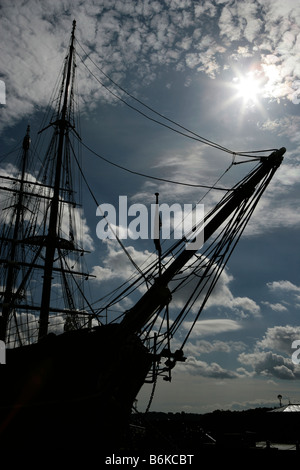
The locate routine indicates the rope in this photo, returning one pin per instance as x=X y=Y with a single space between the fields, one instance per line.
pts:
x=116 y=236
x=153 y=177
x=197 y=136
x=193 y=135
x=152 y=392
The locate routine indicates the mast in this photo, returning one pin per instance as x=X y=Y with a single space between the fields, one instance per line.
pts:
x=42 y=275
x=62 y=127
x=12 y=267
x=158 y=295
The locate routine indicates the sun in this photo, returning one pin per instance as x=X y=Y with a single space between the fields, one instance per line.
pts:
x=245 y=93
x=247 y=88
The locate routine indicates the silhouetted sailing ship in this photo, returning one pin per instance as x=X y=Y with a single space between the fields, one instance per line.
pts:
x=70 y=380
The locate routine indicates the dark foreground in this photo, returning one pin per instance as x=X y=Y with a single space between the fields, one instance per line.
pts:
x=222 y=436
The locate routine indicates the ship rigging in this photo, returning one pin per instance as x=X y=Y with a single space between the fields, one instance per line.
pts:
x=43 y=278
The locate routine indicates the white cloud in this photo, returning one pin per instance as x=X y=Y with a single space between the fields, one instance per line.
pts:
x=116 y=264
x=205 y=7
x=276 y=307
x=246 y=305
x=283 y=286
x=220 y=296
x=223 y=297
x=277 y=339
x=212 y=327
x=227 y=26
x=280 y=338
x=28 y=326
x=240 y=20
x=287 y=126
x=278 y=207
x=207 y=347
x=131 y=37
x=204 y=369
x=271 y=364
x=37 y=211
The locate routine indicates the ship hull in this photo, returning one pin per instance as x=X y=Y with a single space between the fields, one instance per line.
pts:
x=70 y=390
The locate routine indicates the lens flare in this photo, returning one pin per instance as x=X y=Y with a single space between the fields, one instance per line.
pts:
x=248 y=88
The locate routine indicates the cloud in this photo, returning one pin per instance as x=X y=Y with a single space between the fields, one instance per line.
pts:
x=286 y=126
x=279 y=202
x=276 y=307
x=271 y=364
x=206 y=60
x=280 y=338
x=271 y=357
x=212 y=370
x=289 y=292
x=116 y=264
x=212 y=327
x=135 y=38
x=266 y=26
x=283 y=286
x=240 y=20
x=28 y=325
x=34 y=211
x=207 y=347
x=221 y=295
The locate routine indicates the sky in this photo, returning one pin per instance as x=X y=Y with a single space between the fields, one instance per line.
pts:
x=227 y=70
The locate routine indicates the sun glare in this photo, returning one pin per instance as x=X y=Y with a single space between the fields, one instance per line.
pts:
x=247 y=88
x=246 y=92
